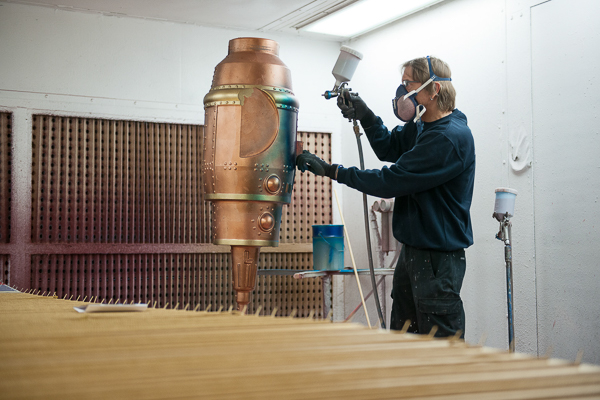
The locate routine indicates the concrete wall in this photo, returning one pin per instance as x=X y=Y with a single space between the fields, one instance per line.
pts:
x=88 y=64
x=535 y=127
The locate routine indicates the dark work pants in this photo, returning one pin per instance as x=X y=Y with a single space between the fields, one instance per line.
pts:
x=426 y=290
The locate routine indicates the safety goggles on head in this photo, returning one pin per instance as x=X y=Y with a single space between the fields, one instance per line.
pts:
x=405 y=105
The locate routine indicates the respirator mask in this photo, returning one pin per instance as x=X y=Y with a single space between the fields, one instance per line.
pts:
x=405 y=105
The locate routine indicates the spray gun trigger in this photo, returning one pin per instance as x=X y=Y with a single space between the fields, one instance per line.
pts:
x=345 y=94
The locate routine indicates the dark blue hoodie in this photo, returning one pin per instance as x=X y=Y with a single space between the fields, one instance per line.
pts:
x=431 y=179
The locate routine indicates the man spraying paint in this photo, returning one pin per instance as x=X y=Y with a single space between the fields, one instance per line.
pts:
x=431 y=178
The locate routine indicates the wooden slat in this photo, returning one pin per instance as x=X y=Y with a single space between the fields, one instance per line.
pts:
x=50 y=351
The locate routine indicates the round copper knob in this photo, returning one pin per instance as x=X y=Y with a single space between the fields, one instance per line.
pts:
x=273 y=184
x=266 y=222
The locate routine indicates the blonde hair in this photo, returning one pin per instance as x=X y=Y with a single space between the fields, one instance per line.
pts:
x=446 y=98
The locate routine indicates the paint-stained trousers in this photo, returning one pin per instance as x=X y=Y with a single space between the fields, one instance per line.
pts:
x=426 y=291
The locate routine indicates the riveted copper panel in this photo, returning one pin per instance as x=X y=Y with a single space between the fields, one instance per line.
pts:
x=106 y=181
x=5 y=175
x=244 y=226
x=259 y=122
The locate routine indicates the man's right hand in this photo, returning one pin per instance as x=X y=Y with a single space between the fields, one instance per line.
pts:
x=352 y=106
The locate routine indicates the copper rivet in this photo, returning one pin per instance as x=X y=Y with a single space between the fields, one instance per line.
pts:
x=267 y=222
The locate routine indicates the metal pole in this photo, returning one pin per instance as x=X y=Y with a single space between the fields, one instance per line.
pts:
x=506 y=237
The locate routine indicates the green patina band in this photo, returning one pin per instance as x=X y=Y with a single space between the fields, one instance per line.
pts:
x=230 y=95
x=243 y=242
x=248 y=197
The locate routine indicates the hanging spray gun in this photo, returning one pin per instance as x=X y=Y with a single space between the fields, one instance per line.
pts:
x=504 y=208
x=342 y=72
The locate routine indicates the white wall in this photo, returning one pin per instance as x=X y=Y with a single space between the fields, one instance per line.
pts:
x=566 y=144
x=88 y=64
x=488 y=45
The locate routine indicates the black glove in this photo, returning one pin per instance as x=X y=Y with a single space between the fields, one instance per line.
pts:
x=353 y=107
x=308 y=161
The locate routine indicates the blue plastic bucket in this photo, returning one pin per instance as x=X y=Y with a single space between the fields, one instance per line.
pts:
x=328 y=247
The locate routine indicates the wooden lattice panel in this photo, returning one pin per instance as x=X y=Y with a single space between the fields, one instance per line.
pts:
x=311 y=198
x=4 y=268
x=161 y=278
x=283 y=292
x=5 y=175
x=107 y=181
x=172 y=279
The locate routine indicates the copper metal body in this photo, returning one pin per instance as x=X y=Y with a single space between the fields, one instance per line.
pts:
x=249 y=153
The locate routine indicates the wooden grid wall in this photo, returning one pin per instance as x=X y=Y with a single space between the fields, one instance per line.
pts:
x=175 y=279
x=107 y=181
x=4 y=268
x=5 y=175
x=311 y=199
x=98 y=181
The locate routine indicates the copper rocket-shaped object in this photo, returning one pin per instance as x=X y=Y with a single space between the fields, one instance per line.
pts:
x=249 y=153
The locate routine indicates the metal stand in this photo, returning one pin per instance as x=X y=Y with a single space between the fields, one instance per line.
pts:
x=327 y=280
x=504 y=234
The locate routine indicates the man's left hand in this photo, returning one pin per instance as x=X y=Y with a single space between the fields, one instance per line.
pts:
x=312 y=163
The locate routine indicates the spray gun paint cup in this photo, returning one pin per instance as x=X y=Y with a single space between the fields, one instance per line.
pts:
x=505 y=203
x=328 y=247
x=345 y=65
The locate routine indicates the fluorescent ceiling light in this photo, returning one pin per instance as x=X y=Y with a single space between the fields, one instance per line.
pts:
x=366 y=15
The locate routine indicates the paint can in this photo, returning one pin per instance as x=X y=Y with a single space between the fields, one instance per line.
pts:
x=328 y=247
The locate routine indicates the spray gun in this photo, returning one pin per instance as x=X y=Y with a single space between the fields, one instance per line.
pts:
x=342 y=72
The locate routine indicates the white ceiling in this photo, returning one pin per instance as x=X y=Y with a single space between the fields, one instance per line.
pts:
x=284 y=16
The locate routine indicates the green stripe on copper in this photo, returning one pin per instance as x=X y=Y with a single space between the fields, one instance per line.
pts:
x=261 y=87
x=242 y=242
x=231 y=96
x=248 y=197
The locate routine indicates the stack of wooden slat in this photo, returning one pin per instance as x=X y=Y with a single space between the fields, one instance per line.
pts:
x=48 y=350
